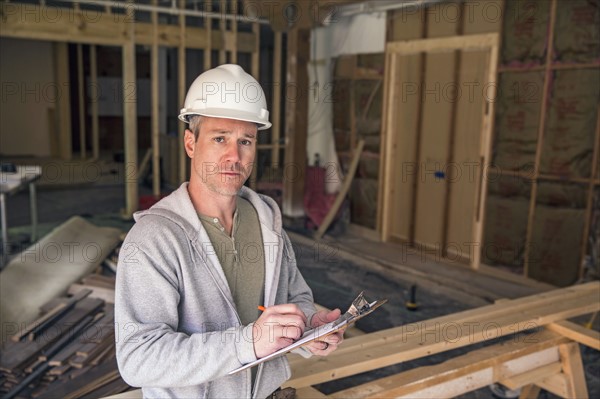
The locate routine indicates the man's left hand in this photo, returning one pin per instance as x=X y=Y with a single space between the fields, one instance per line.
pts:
x=327 y=344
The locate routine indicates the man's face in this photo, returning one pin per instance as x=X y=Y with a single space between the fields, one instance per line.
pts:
x=223 y=155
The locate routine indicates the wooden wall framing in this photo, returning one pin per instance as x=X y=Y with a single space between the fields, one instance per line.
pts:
x=75 y=25
x=548 y=67
x=391 y=143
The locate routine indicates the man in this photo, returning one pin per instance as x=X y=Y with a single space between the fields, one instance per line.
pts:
x=195 y=267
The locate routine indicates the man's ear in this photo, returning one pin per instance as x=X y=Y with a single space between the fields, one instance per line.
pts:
x=189 y=142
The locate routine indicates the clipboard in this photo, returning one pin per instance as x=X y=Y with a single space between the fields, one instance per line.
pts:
x=360 y=308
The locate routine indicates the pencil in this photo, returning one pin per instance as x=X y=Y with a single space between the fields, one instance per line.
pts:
x=261 y=308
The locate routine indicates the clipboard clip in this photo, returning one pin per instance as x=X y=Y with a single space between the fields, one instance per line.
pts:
x=360 y=307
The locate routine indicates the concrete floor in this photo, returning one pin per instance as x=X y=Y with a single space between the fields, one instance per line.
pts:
x=334 y=272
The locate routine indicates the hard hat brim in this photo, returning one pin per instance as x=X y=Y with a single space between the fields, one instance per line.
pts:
x=226 y=114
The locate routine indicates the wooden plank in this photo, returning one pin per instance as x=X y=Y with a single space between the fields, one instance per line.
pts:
x=445 y=44
x=108 y=295
x=343 y=191
x=577 y=333
x=296 y=119
x=424 y=338
x=223 y=29
x=494 y=363
x=309 y=393
x=532 y=376
x=53 y=312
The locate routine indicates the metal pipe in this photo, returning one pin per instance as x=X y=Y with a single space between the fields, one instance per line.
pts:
x=382 y=6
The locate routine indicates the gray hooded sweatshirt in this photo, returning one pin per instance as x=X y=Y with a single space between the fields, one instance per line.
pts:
x=178 y=333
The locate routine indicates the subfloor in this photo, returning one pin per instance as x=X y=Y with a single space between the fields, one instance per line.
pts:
x=336 y=269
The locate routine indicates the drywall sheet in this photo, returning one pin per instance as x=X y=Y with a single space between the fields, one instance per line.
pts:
x=577 y=37
x=525 y=31
x=517 y=120
x=46 y=269
x=555 y=251
x=570 y=129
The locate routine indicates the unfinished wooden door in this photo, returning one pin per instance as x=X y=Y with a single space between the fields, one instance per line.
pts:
x=437 y=126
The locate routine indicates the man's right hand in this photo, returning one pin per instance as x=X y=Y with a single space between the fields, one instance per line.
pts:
x=277 y=327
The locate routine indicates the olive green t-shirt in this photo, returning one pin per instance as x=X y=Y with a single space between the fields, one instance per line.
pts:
x=242 y=258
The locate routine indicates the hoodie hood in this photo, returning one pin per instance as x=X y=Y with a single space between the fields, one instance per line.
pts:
x=178 y=208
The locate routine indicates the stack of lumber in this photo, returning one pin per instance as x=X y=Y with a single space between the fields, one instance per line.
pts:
x=68 y=352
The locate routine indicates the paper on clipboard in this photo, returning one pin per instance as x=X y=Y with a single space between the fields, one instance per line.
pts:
x=360 y=308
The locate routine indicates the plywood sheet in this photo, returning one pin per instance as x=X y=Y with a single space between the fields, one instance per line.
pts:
x=463 y=172
x=433 y=155
x=405 y=115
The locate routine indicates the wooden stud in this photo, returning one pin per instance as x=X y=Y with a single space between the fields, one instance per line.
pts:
x=182 y=92
x=540 y=136
x=61 y=69
x=208 y=34
x=155 y=95
x=81 y=102
x=276 y=104
x=223 y=29
x=234 y=31
x=94 y=103
x=296 y=122
x=590 y=198
x=130 y=126
x=255 y=72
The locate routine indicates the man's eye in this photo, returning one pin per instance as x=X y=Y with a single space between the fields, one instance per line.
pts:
x=219 y=139
x=246 y=142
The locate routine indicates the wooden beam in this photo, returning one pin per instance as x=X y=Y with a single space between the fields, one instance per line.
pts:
x=208 y=34
x=130 y=127
x=296 y=120
x=343 y=191
x=476 y=369
x=309 y=393
x=107 y=29
x=577 y=333
x=255 y=72
x=94 y=95
x=234 y=32
x=437 y=335
x=61 y=68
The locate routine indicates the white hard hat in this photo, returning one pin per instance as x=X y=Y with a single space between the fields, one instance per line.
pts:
x=227 y=91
